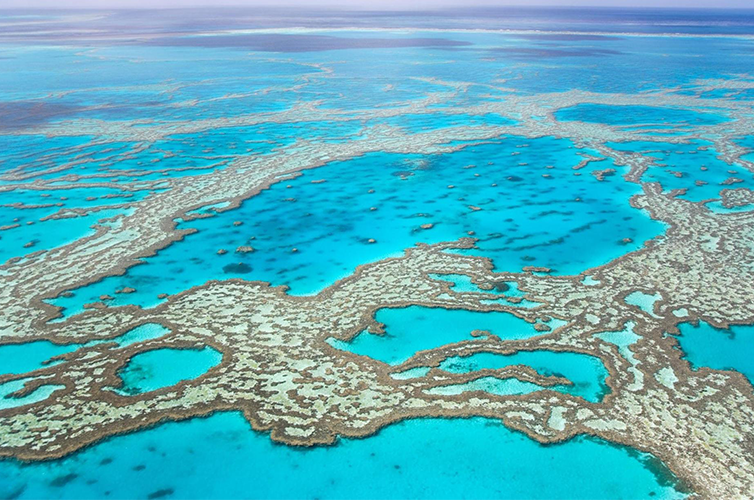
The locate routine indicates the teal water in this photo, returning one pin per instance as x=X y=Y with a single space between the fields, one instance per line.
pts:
x=693 y=167
x=492 y=385
x=412 y=329
x=463 y=283
x=502 y=290
x=474 y=458
x=44 y=235
x=644 y=301
x=731 y=349
x=29 y=356
x=641 y=116
x=717 y=207
x=623 y=340
x=566 y=222
x=152 y=370
x=39 y=394
x=587 y=373
x=141 y=333
x=418 y=123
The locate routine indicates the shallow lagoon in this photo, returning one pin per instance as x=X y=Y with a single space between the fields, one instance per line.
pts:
x=522 y=200
x=152 y=370
x=45 y=235
x=220 y=457
x=587 y=373
x=30 y=356
x=732 y=349
x=693 y=167
x=412 y=329
x=39 y=394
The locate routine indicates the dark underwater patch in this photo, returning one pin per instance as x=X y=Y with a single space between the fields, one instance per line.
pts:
x=25 y=114
x=61 y=481
x=240 y=268
x=160 y=493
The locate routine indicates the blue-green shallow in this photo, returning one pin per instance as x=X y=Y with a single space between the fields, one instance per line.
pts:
x=587 y=373
x=732 y=349
x=409 y=330
x=30 y=356
x=632 y=116
x=522 y=212
x=220 y=457
x=152 y=370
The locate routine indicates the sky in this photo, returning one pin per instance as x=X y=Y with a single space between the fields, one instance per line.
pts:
x=368 y=4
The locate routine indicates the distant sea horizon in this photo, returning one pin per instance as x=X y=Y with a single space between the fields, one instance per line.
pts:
x=623 y=20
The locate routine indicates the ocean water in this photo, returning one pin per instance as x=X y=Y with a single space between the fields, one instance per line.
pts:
x=9 y=400
x=566 y=222
x=414 y=329
x=33 y=235
x=644 y=301
x=694 y=167
x=637 y=117
x=501 y=291
x=519 y=196
x=474 y=458
x=30 y=356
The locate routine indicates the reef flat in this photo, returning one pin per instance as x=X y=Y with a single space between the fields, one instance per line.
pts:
x=334 y=232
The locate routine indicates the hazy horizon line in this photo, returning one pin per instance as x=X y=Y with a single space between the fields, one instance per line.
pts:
x=366 y=8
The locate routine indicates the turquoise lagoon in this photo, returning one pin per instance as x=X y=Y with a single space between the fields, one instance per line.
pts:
x=521 y=200
x=47 y=234
x=587 y=373
x=7 y=400
x=412 y=329
x=680 y=166
x=23 y=358
x=158 y=368
x=706 y=346
x=640 y=117
x=29 y=356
